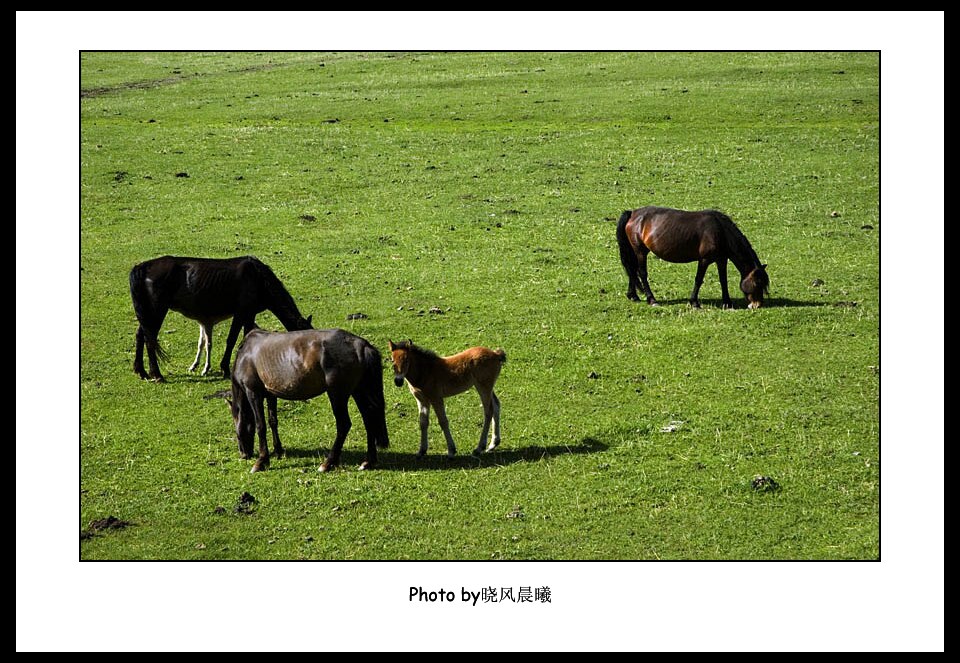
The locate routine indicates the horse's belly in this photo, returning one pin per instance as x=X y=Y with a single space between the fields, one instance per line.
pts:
x=296 y=388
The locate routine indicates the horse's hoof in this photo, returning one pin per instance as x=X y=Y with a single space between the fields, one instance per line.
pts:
x=451 y=454
x=258 y=468
x=632 y=296
x=278 y=453
x=653 y=302
x=492 y=446
x=325 y=467
x=159 y=379
x=244 y=456
x=367 y=465
x=421 y=454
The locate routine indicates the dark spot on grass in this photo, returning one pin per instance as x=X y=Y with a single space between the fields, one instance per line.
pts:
x=332 y=120
x=120 y=175
x=182 y=174
x=866 y=226
x=846 y=304
x=219 y=510
x=816 y=283
x=357 y=316
x=593 y=375
x=97 y=526
x=244 y=503
x=436 y=310
x=764 y=484
x=307 y=217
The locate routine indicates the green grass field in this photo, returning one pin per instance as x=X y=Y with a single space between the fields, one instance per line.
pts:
x=488 y=185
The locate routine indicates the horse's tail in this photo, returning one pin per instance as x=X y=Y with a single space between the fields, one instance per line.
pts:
x=369 y=396
x=143 y=308
x=628 y=257
x=501 y=355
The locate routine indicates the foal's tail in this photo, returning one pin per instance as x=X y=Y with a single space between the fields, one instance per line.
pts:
x=501 y=355
x=369 y=396
x=628 y=257
x=142 y=307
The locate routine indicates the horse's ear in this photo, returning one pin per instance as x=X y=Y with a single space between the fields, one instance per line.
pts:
x=763 y=266
x=390 y=344
x=310 y=319
x=410 y=341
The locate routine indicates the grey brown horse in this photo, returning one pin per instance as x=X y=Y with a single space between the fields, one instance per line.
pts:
x=298 y=366
x=207 y=290
x=703 y=237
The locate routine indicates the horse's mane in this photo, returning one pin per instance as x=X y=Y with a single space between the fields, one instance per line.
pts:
x=411 y=347
x=275 y=288
x=741 y=252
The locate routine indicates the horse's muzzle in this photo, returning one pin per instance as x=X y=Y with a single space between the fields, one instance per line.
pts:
x=398 y=380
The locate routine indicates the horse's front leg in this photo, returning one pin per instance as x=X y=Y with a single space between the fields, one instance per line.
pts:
x=342 y=414
x=722 y=272
x=424 y=425
x=256 y=403
x=698 y=281
x=272 y=420
x=445 y=427
x=235 y=326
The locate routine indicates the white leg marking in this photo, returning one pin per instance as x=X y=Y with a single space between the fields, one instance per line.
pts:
x=207 y=332
x=196 y=360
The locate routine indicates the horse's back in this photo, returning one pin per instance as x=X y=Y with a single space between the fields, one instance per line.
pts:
x=678 y=235
x=302 y=364
x=473 y=366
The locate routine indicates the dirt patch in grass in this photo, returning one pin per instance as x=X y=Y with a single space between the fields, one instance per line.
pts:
x=101 y=525
x=170 y=80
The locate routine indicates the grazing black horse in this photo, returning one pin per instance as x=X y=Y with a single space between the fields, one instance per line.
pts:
x=207 y=290
x=679 y=236
x=298 y=366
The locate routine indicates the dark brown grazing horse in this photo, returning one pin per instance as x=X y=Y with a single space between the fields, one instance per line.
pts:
x=207 y=290
x=298 y=366
x=679 y=236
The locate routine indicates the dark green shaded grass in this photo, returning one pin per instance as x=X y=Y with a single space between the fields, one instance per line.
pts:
x=488 y=185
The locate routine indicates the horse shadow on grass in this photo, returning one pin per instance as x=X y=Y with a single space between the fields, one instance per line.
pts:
x=774 y=302
x=389 y=460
